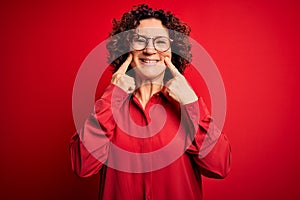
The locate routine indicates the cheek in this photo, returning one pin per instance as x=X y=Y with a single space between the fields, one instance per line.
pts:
x=134 y=58
x=166 y=54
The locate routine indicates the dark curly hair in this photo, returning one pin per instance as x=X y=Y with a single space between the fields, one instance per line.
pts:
x=117 y=46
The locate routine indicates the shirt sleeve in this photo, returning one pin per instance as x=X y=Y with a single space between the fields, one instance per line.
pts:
x=210 y=148
x=89 y=146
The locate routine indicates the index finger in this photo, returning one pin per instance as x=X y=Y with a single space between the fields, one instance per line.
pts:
x=123 y=68
x=173 y=69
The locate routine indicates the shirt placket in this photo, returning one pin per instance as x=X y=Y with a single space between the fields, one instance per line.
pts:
x=148 y=176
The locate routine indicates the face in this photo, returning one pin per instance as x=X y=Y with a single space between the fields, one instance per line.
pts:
x=149 y=63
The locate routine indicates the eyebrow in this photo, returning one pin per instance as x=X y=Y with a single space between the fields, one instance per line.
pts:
x=165 y=34
x=153 y=37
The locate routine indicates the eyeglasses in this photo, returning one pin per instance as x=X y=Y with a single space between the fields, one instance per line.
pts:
x=160 y=43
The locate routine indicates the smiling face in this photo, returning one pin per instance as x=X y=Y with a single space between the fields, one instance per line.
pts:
x=148 y=63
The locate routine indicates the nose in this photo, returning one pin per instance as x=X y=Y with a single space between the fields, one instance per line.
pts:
x=150 y=47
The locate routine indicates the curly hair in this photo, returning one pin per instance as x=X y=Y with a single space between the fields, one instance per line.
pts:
x=130 y=20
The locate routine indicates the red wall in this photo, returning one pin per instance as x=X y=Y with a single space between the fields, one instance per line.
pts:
x=255 y=44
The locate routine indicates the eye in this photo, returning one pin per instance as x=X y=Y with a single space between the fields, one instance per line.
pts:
x=161 y=42
x=138 y=39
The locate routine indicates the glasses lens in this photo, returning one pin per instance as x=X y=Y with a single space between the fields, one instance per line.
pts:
x=138 y=42
x=162 y=43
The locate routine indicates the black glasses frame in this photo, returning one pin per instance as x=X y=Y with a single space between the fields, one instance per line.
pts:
x=153 y=42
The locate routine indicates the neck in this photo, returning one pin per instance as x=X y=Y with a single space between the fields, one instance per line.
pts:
x=146 y=91
x=147 y=87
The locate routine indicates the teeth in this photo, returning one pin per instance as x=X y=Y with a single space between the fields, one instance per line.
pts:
x=149 y=61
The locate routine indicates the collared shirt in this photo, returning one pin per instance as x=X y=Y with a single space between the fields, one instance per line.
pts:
x=125 y=143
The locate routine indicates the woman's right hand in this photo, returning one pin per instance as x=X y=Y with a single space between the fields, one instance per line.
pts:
x=121 y=79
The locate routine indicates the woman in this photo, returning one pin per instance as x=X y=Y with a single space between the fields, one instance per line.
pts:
x=143 y=112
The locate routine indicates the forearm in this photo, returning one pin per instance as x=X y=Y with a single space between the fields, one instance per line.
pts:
x=210 y=148
x=212 y=155
x=89 y=147
x=83 y=162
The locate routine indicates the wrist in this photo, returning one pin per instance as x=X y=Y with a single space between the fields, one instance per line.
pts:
x=187 y=99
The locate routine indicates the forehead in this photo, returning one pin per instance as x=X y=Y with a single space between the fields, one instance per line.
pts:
x=151 y=27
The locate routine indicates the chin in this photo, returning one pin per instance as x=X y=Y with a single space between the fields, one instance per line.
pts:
x=150 y=72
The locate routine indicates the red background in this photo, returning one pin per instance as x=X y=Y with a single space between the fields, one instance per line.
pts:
x=255 y=45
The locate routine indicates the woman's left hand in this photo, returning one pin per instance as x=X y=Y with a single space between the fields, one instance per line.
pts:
x=178 y=87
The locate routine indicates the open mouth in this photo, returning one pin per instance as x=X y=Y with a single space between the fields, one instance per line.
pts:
x=149 y=61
